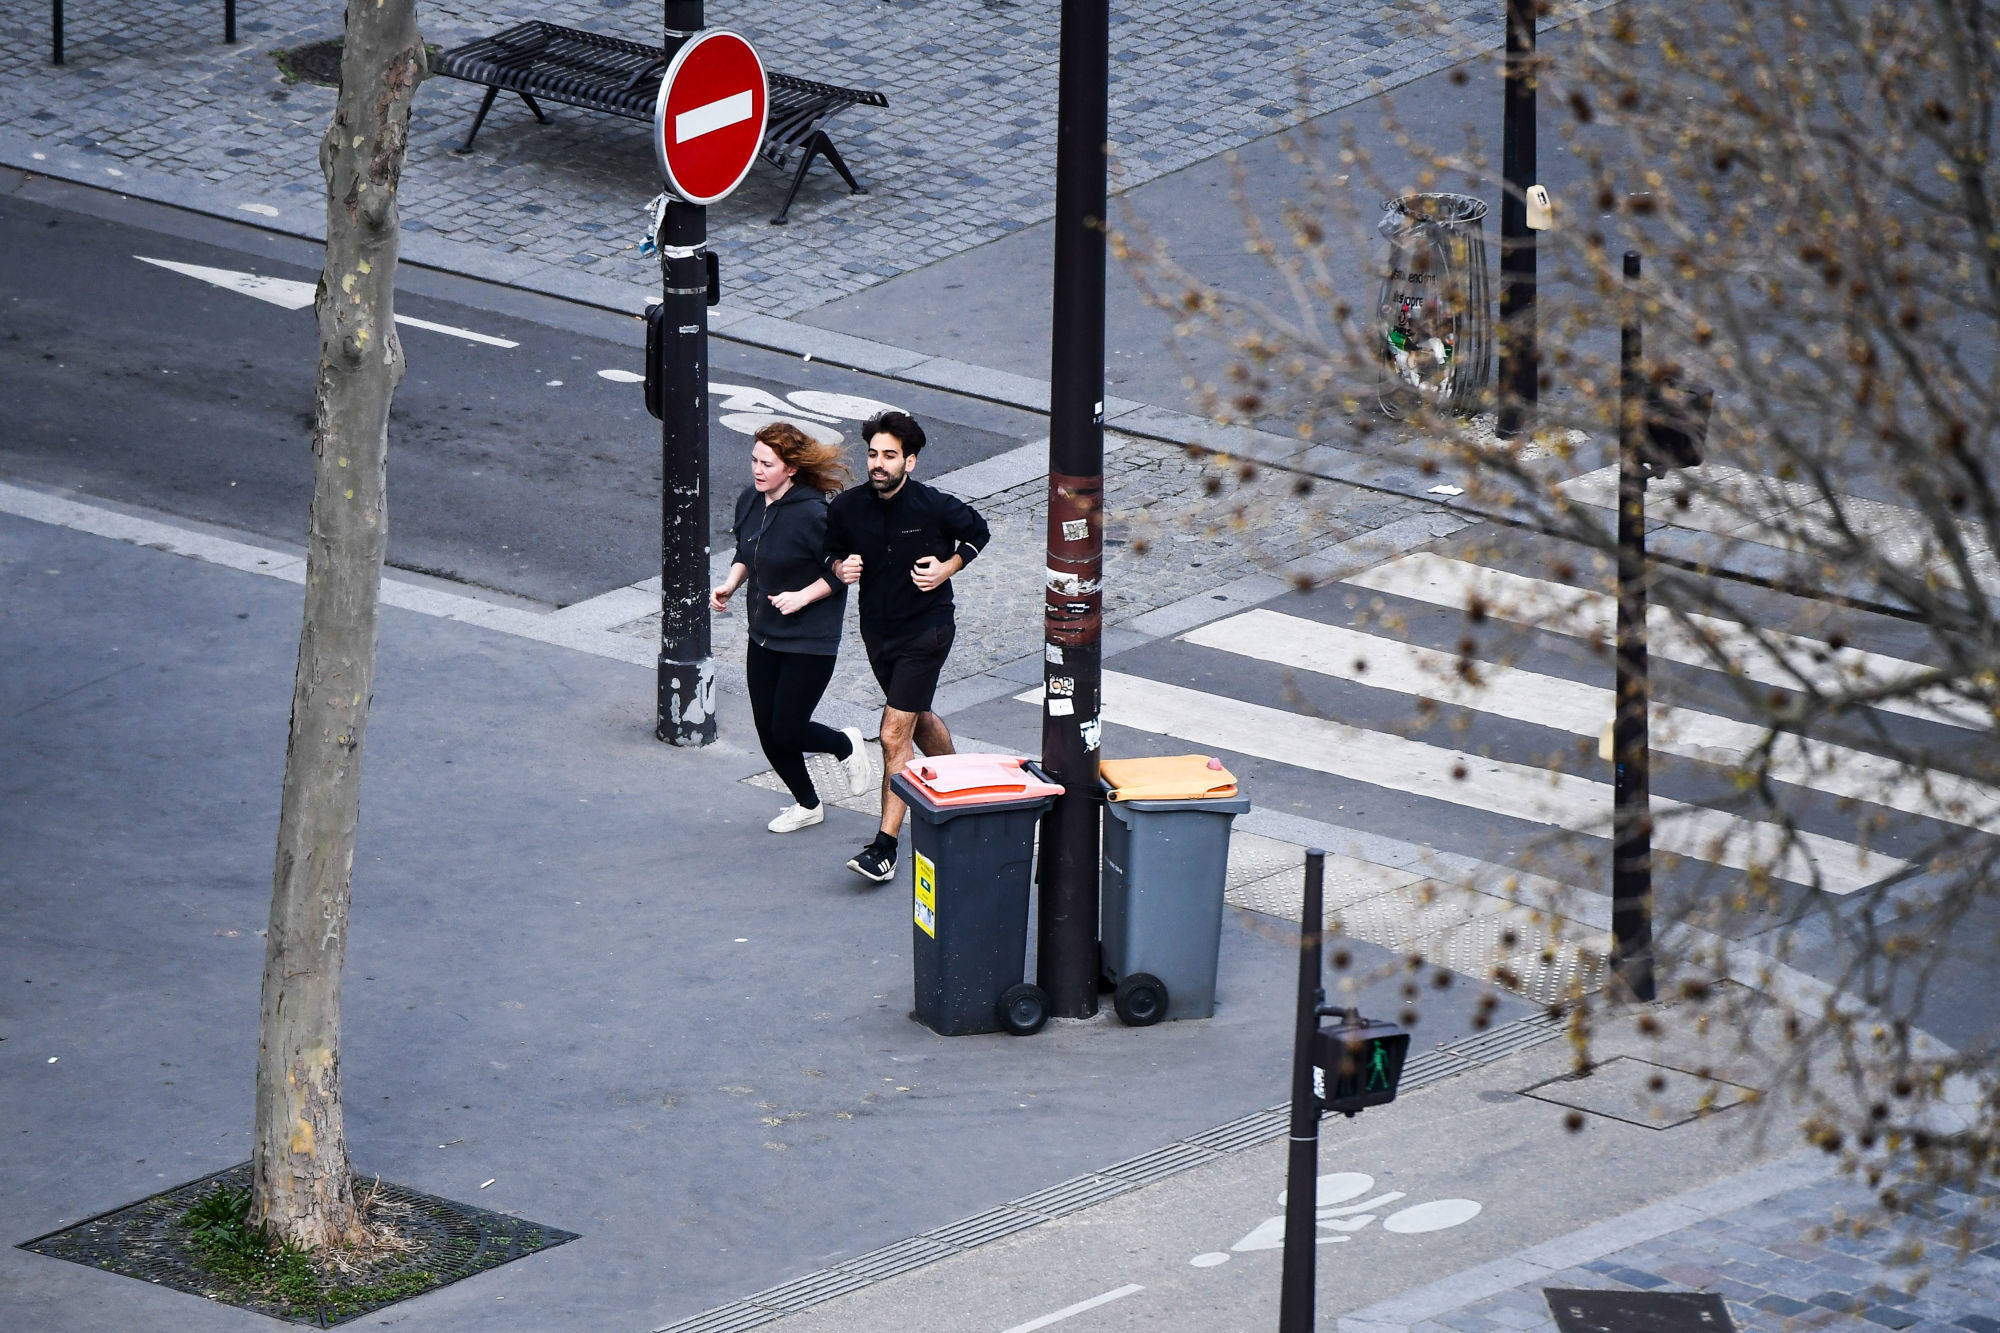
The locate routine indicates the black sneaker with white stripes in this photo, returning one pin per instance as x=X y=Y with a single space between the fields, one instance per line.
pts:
x=874 y=862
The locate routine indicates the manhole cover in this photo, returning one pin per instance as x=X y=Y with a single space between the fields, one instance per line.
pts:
x=1639 y=1311
x=149 y=1241
x=315 y=62
x=1640 y=1092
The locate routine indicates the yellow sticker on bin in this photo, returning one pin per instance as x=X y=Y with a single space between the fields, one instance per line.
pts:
x=925 y=875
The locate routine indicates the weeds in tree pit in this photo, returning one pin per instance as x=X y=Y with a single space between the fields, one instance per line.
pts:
x=249 y=1267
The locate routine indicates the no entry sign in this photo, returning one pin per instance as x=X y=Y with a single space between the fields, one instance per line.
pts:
x=709 y=121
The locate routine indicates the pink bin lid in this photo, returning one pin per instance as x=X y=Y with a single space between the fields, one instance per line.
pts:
x=976 y=779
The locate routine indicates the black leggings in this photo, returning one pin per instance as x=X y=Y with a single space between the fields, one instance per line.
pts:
x=784 y=690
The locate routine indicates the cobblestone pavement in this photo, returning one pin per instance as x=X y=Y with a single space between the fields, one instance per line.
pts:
x=963 y=154
x=1787 y=1264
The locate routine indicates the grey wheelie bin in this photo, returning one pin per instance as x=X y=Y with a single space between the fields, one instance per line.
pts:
x=1166 y=863
x=972 y=855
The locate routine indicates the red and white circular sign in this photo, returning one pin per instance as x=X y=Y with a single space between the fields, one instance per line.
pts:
x=709 y=121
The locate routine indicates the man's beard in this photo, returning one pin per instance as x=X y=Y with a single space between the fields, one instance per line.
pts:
x=884 y=482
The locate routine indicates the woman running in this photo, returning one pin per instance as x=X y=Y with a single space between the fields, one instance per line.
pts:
x=795 y=612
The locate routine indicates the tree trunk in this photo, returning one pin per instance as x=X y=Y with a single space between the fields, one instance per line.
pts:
x=301 y=1179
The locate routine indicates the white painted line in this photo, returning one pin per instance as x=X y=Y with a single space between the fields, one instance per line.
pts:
x=1583 y=710
x=1516 y=791
x=719 y=114
x=278 y=291
x=291 y=567
x=261 y=210
x=294 y=295
x=1768 y=656
x=413 y=322
x=622 y=376
x=1068 y=1310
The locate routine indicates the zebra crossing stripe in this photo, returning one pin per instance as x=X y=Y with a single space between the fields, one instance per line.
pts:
x=1517 y=791
x=1583 y=710
x=1770 y=657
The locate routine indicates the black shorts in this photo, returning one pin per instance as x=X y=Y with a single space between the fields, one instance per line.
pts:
x=908 y=669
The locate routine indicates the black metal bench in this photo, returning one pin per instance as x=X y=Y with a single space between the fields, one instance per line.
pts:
x=56 y=27
x=623 y=78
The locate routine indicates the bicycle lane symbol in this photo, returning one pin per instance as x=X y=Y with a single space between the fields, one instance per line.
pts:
x=1341 y=1219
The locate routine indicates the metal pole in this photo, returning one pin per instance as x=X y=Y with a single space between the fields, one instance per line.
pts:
x=1067 y=966
x=1520 y=367
x=229 y=22
x=1632 y=815
x=56 y=29
x=686 y=711
x=1295 y=1291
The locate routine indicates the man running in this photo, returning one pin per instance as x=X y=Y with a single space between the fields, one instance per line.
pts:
x=902 y=541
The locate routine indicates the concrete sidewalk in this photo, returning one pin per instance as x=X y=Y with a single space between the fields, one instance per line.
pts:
x=576 y=958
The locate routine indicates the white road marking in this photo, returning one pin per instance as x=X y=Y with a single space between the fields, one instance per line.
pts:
x=1580 y=613
x=1584 y=710
x=844 y=405
x=1068 y=1310
x=745 y=398
x=294 y=295
x=1517 y=791
x=261 y=210
x=749 y=423
x=622 y=376
x=1209 y=1260
x=712 y=116
x=411 y=321
x=283 y=292
x=1433 y=1216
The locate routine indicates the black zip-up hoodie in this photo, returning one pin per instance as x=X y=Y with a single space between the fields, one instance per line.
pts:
x=783 y=545
x=892 y=535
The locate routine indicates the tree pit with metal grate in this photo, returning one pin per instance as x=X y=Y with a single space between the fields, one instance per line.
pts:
x=446 y=1241
x=315 y=62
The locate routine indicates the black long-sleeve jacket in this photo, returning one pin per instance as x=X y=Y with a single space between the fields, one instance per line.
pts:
x=780 y=544
x=890 y=536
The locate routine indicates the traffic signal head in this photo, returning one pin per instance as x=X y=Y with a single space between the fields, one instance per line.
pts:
x=1675 y=425
x=1359 y=1062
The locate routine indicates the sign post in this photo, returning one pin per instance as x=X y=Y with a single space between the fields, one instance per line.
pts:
x=707 y=127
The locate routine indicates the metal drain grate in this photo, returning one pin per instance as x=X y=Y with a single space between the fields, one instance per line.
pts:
x=454 y=1240
x=1091 y=1188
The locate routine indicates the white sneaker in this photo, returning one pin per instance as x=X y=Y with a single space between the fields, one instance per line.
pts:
x=860 y=774
x=795 y=817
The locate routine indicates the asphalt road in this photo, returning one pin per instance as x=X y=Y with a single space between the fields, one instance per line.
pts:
x=522 y=469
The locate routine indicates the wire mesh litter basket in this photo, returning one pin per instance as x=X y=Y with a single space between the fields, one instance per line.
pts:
x=1436 y=322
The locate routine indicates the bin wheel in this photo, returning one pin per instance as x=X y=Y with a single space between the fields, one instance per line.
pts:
x=1141 y=1000
x=1024 y=1007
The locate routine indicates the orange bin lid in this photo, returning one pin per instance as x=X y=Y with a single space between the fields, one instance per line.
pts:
x=976 y=779
x=1180 y=777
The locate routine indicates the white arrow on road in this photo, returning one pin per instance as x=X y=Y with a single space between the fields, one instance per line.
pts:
x=294 y=295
